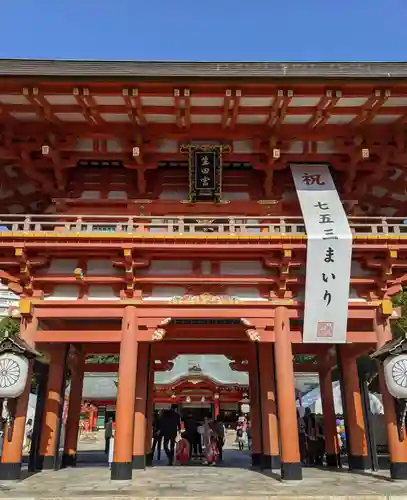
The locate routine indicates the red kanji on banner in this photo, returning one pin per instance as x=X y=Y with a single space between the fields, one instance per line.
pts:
x=325 y=329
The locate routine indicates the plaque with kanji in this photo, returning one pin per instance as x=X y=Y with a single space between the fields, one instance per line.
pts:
x=205 y=172
x=205 y=163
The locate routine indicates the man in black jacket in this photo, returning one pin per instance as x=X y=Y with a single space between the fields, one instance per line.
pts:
x=170 y=426
x=108 y=434
x=157 y=435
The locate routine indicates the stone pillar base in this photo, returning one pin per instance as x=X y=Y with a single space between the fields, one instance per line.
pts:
x=10 y=471
x=359 y=462
x=256 y=459
x=270 y=462
x=398 y=470
x=45 y=462
x=68 y=460
x=139 y=462
x=333 y=460
x=291 y=471
x=121 y=471
x=149 y=459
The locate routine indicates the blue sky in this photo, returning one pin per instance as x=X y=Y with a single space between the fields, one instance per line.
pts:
x=251 y=30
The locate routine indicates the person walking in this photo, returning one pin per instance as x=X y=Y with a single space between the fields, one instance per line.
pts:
x=208 y=441
x=108 y=434
x=170 y=427
x=219 y=433
x=157 y=435
x=302 y=437
x=28 y=434
x=239 y=437
x=191 y=433
x=249 y=434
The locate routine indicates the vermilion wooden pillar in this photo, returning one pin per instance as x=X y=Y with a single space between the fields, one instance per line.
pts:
x=149 y=415
x=139 y=438
x=287 y=412
x=358 y=457
x=74 y=411
x=271 y=458
x=397 y=448
x=91 y=420
x=10 y=466
x=328 y=409
x=52 y=408
x=216 y=407
x=255 y=413
x=126 y=395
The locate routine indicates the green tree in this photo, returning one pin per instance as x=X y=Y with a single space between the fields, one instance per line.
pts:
x=103 y=359
x=399 y=327
x=304 y=358
x=366 y=365
x=10 y=325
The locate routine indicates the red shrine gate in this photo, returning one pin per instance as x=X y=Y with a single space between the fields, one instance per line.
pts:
x=131 y=206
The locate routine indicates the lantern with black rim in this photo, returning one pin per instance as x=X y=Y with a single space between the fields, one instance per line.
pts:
x=15 y=356
x=393 y=356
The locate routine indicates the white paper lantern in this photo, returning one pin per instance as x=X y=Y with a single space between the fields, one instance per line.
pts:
x=13 y=375
x=245 y=408
x=395 y=374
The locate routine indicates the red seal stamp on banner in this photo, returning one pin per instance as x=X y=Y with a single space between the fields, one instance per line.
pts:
x=325 y=329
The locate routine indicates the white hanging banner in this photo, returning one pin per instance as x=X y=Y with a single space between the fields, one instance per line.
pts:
x=329 y=255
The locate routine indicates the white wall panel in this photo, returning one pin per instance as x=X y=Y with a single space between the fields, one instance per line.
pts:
x=117 y=195
x=166 y=293
x=206 y=267
x=354 y=297
x=245 y=293
x=174 y=194
x=236 y=196
x=62 y=266
x=64 y=292
x=242 y=268
x=99 y=267
x=101 y=292
x=169 y=267
x=90 y=195
x=357 y=270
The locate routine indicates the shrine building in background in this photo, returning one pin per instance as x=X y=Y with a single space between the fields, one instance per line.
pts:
x=157 y=209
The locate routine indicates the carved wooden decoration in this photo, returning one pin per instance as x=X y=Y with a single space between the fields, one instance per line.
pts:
x=205 y=298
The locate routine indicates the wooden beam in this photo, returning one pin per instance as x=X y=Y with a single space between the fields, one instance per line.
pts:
x=161 y=349
x=372 y=107
x=41 y=105
x=134 y=106
x=51 y=310
x=86 y=106
x=279 y=108
x=324 y=108
x=306 y=367
x=206 y=131
x=101 y=367
x=33 y=173
x=78 y=336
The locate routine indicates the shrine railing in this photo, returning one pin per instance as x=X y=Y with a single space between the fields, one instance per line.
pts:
x=182 y=225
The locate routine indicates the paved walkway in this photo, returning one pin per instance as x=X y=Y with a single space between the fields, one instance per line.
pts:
x=234 y=479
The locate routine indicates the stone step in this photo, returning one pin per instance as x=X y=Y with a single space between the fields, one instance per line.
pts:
x=120 y=496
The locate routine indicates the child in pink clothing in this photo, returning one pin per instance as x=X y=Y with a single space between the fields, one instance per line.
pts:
x=182 y=451
x=211 y=451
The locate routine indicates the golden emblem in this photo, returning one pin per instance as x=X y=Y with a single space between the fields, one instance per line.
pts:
x=206 y=299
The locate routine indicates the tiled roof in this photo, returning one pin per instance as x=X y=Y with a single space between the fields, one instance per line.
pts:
x=220 y=70
x=214 y=366
x=394 y=346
